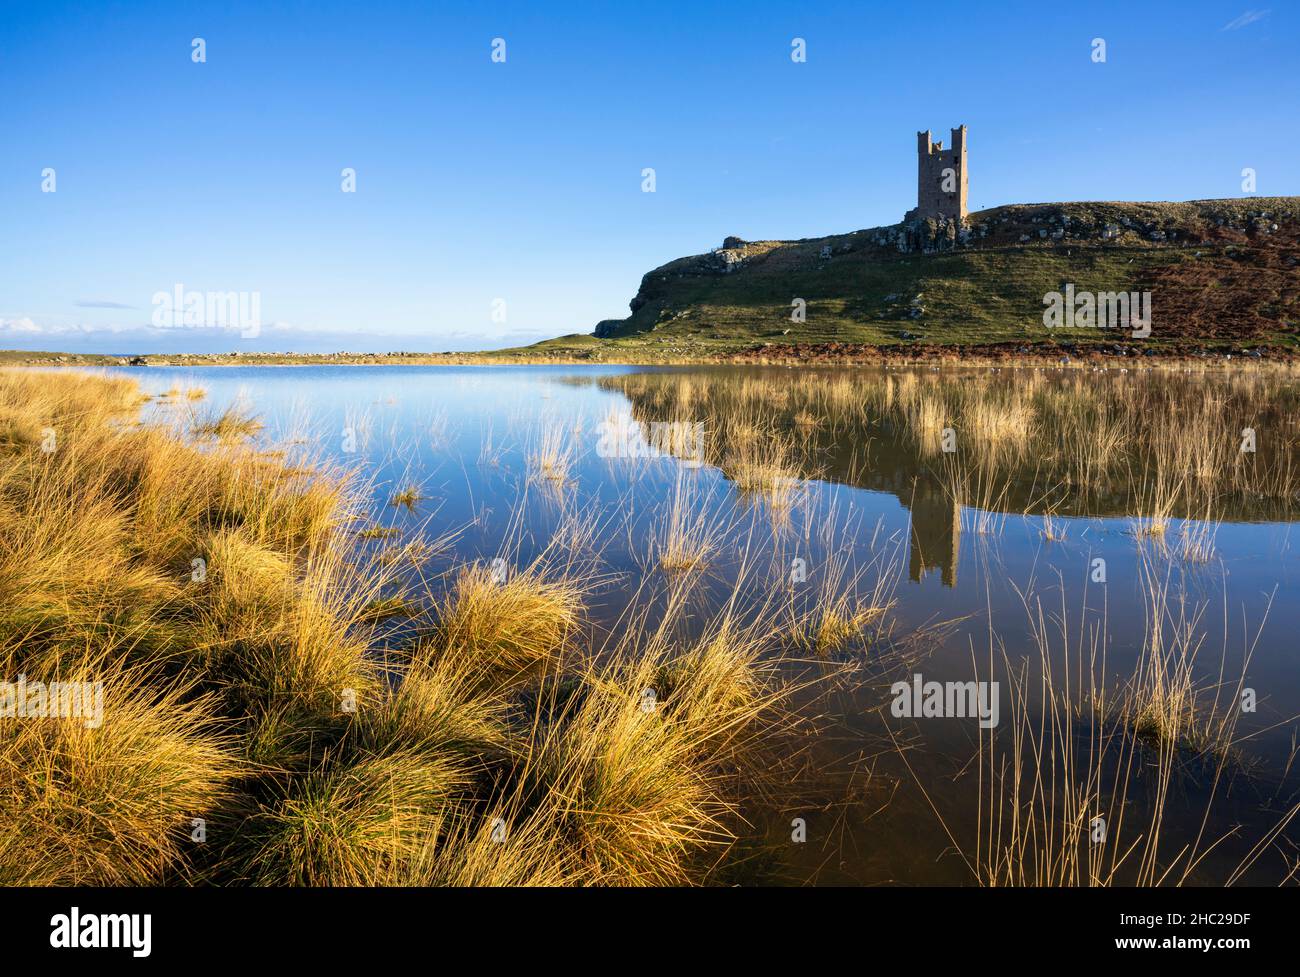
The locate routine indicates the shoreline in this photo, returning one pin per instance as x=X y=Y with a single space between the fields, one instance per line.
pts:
x=1004 y=355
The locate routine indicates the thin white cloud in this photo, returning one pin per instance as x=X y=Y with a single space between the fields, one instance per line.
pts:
x=1245 y=20
x=26 y=326
x=19 y=327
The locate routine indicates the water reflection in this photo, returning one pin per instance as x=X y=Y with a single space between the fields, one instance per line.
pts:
x=956 y=450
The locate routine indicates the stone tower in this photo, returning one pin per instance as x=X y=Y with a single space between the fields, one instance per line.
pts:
x=941 y=180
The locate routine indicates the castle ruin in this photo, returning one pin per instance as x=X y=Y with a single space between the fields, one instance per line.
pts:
x=941 y=181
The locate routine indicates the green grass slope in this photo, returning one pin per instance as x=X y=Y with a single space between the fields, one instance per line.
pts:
x=1221 y=273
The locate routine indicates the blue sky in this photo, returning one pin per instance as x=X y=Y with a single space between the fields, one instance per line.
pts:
x=522 y=181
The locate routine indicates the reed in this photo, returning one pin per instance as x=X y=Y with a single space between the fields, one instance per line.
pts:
x=552 y=455
x=692 y=530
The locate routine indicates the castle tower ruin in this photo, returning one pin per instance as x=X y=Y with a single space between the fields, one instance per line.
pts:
x=941 y=181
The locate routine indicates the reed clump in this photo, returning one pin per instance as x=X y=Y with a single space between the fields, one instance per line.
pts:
x=114 y=803
x=761 y=467
x=689 y=536
x=513 y=623
x=552 y=455
x=407 y=498
x=641 y=772
x=838 y=624
x=232 y=424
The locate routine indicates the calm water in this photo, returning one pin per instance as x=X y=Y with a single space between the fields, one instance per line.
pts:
x=874 y=512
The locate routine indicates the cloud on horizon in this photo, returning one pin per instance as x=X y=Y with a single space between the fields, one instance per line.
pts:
x=25 y=333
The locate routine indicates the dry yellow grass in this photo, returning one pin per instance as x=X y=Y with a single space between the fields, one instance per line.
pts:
x=111 y=805
x=235 y=622
x=511 y=624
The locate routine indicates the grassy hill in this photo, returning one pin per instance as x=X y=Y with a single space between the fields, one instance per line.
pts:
x=1222 y=273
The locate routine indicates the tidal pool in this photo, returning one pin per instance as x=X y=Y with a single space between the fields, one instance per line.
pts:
x=1112 y=548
